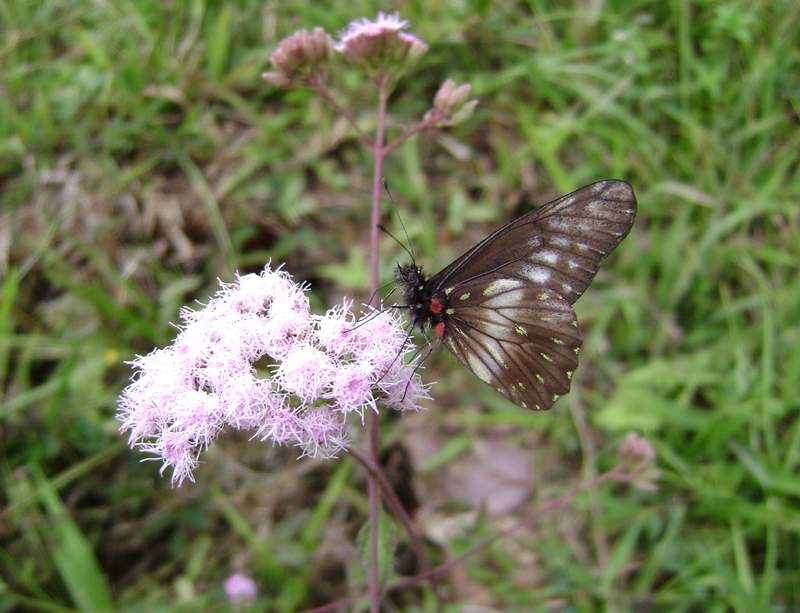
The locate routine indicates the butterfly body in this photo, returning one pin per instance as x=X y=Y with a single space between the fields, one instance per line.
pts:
x=504 y=308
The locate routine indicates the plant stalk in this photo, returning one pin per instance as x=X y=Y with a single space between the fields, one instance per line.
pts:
x=374 y=499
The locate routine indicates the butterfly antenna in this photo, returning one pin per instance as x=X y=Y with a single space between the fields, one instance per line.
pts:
x=402 y=225
x=383 y=229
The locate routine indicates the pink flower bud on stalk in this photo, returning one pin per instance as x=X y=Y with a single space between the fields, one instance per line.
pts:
x=450 y=105
x=381 y=46
x=300 y=58
x=637 y=456
x=321 y=369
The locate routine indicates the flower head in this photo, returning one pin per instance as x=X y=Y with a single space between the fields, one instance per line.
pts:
x=240 y=589
x=300 y=58
x=319 y=370
x=382 y=46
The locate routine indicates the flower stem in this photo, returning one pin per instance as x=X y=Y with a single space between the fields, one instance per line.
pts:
x=377 y=175
x=617 y=473
x=396 y=507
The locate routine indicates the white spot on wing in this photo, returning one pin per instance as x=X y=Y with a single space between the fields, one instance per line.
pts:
x=536 y=274
x=551 y=257
x=464 y=296
x=478 y=367
x=448 y=291
x=497 y=353
x=499 y=286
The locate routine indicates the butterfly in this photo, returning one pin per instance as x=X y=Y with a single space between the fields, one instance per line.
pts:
x=504 y=308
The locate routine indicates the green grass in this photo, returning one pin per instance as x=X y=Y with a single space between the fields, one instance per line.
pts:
x=141 y=157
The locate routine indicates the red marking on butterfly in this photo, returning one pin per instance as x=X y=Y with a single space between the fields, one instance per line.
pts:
x=438 y=329
x=436 y=306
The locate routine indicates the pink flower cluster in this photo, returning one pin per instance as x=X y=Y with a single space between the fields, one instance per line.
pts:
x=255 y=358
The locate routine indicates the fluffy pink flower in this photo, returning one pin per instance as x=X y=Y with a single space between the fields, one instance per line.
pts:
x=306 y=372
x=402 y=389
x=323 y=429
x=380 y=45
x=335 y=329
x=352 y=389
x=211 y=377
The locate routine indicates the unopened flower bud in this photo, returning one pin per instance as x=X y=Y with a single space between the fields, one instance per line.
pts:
x=450 y=105
x=300 y=58
x=638 y=457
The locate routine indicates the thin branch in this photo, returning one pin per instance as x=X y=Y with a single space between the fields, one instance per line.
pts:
x=319 y=86
x=432 y=117
x=396 y=507
x=617 y=473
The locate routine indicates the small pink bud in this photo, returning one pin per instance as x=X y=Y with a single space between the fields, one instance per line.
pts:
x=300 y=58
x=450 y=105
x=638 y=456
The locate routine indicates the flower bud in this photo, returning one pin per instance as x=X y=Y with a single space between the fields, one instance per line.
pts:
x=300 y=58
x=450 y=105
x=638 y=457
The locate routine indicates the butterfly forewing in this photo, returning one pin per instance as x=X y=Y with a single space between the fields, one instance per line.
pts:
x=557 y=246
x=521 y=340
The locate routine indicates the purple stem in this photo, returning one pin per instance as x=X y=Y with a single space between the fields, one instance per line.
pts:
x=374 y=236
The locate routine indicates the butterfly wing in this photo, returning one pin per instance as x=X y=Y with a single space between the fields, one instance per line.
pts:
x=558 y=246
x=509 y=317
x=521 y=340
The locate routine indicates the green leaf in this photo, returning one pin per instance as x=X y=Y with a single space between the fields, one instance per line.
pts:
x=72 y=553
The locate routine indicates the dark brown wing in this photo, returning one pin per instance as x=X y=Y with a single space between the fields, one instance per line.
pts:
x=556 y=247
x=520 y=339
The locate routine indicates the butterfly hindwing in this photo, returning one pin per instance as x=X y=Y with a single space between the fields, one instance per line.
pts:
x=521 y=340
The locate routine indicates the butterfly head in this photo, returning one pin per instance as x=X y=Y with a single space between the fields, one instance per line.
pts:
x=411 y=278
x=416 y=292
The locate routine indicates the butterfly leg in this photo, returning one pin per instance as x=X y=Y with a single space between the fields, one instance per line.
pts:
x=418 y=365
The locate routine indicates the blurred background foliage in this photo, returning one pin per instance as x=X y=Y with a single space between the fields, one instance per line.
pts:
x=141 y=157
